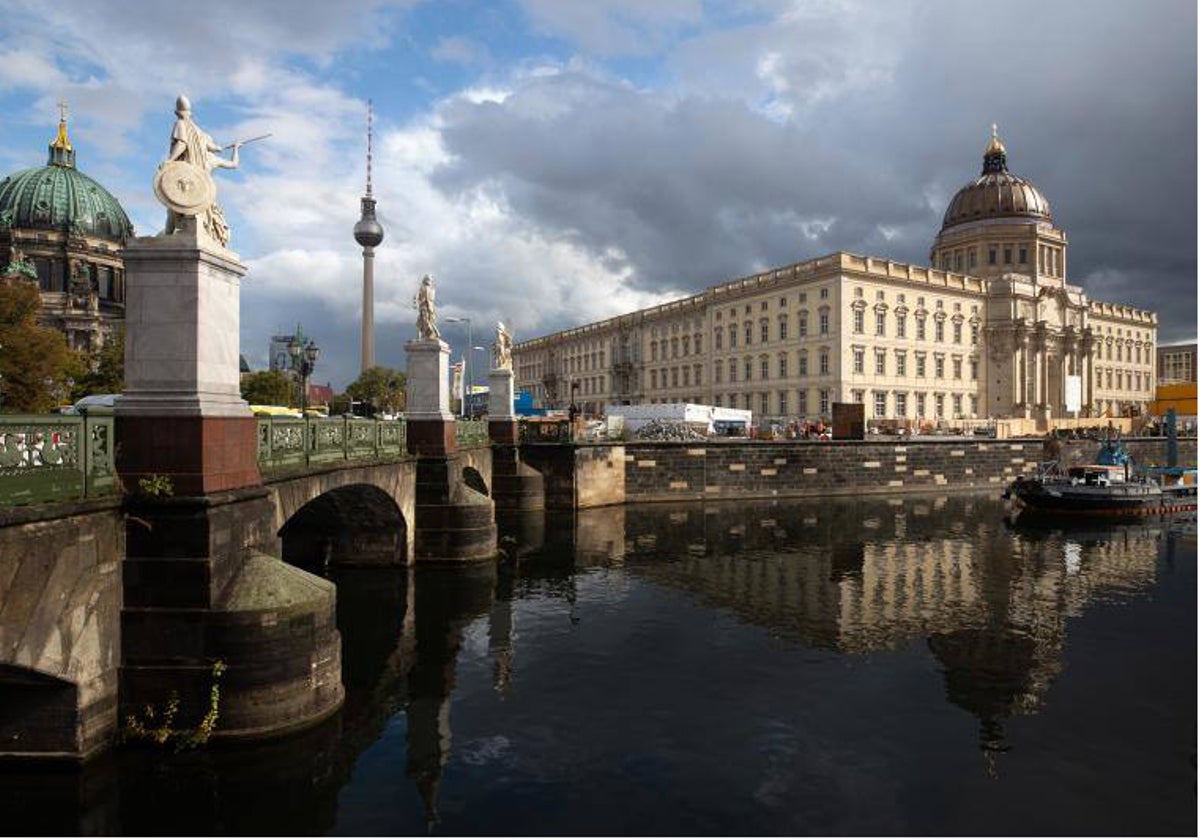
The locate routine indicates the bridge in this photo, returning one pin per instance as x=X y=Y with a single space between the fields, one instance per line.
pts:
x=118 y=592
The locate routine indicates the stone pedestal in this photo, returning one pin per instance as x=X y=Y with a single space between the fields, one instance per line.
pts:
x=181 y=415
x=502 y=421
x=430 y=423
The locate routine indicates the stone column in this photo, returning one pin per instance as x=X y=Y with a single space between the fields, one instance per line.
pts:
x=502 y=421
x=181 y=415
x=431 y=424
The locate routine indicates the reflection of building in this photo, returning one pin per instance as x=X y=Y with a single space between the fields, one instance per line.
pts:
x=71 y=230
x=992 y=330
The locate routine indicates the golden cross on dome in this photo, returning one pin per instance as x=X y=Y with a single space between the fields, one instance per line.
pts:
x=993 y=131
x=62 y=111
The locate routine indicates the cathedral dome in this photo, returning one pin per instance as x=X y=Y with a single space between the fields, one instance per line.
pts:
x=58 y=196
x=996 y=193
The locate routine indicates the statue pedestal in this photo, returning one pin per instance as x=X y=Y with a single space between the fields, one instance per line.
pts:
x=502 y=422
x=430 y=423
x=182 y=415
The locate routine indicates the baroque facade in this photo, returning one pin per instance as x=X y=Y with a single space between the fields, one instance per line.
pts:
x=993 y=330
x=70 y=231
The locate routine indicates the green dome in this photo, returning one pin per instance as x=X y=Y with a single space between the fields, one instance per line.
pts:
x=58 y=196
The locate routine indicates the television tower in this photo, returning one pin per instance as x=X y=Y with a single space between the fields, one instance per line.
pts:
x=368 y=233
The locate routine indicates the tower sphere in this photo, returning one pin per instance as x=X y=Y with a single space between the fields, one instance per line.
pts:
x=367 y=231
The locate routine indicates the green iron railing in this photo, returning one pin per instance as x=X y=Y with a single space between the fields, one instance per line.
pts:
x=285 y=443
x=471 y=433
x=55 y=458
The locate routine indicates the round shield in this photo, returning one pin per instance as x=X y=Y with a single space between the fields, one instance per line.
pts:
x=183 y=187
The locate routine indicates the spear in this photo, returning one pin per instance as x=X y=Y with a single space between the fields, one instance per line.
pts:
x=244 y=142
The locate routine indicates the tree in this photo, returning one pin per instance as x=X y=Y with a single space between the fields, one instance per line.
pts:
x=106 y=369
x=268 y=387
x=380 y=387
x=35 y=362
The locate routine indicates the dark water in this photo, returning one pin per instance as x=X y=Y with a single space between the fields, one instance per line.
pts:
x=916 y=667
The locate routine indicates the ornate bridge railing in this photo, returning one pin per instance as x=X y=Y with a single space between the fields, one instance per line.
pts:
x=471 y=432
x=545 y=431
x=285 y=443
x=55 y=458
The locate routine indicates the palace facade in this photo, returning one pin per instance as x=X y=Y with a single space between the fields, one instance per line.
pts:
x=994 y=330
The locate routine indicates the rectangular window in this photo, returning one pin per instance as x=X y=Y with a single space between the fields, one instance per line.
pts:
x=732 y=370
x=858 y=361
x=920 y=405
x=939 y=367
x=939 y=331
x=880 y=362
x=939 y=406
x=974 y=368
x=856 y=395
x=764 y=331
x=783 y=366
x=764 y=368
x=880 y=323
x=901 y=332
x=881 y=404
x=858 y=321
x=991 y=256
x=902 y=399
x=902 y=364
x=1022 y=256
x=717 y=333
x=970 y=260
x=783 y=402
x=957 y=398
x=802 y=363
x=674 y=377
x=824 y=323
x=824 y=395
x=802 y=401
x=957 y=333
x=686 y=376
x=654 y=379
x=920 y=365
x=974 y=334
x=717 y=373
x=748 y=370
x=920 y=329
x=783 y=328
x=824 y=363
x=975 y=405
x=957 y=368
x=824 y=294
x=749 y=329
x=802 y=324
x=1008 y=256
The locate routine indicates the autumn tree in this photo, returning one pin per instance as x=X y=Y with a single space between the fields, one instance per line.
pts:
x=36 y=364
x=105 y=369
x=268 y=387
x=380 y=387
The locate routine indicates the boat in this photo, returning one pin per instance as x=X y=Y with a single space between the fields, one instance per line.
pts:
x=1110 y=487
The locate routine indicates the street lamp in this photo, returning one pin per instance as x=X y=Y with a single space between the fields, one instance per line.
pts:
x=467 y=371
x=304 y=359
x=474 y=348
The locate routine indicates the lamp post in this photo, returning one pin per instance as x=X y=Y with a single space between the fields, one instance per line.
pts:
x=473 y=349
x=304 y=359
x=467 y=371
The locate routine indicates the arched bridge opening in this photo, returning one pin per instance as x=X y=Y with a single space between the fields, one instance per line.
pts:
x=473 y=478
x=354 y=525
x=38 y=713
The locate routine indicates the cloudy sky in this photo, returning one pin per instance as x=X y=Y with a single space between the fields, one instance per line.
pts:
x=553 y=162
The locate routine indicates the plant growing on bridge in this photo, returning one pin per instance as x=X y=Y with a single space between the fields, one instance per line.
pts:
x=156 y=485
x=158 y=726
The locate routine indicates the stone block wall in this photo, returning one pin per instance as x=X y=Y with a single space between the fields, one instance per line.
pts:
x=681 y=471
x=60 y=614
x=1145 y=451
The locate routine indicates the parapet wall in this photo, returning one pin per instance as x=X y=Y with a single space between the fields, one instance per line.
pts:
x=675 y=471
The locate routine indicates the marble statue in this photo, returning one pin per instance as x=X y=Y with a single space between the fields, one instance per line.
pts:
x=426 y=314
x=184 y=182
x=502 y=348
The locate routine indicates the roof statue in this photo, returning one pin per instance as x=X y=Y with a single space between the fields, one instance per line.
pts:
x=18 y=265
x=184 y=184
x=502 y=348
x=426 y=314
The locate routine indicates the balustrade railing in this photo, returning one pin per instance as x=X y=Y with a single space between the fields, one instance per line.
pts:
x=471 y=432
x=545 y=431
x=54 y=458
x=289 y=443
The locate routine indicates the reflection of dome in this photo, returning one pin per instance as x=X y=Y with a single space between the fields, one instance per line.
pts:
x=58 y=196
x=996 y=193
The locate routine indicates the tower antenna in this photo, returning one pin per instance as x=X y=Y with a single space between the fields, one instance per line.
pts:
x=370 y=133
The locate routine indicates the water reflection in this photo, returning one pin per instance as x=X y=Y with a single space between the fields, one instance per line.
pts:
x=928 y=591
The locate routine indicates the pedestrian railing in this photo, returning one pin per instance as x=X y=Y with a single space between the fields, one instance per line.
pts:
x=545 y=431
x=471 y=432
x=286 y=443
x=55 y=458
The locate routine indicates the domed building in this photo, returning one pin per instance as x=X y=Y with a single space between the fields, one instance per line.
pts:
x=70 y=230
x=991 y=330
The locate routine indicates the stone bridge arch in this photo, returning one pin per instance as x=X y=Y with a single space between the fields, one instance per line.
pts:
x=368 y=500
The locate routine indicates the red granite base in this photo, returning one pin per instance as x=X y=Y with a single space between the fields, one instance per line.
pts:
x=431 y=437
x=199 y=455
x=503 y=431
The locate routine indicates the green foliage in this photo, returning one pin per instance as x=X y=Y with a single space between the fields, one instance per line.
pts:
x=340 y=404
x=35 y=362
x=105 y=369
x=158 y=727
x=269 y=387
x=382 y=388
x=156 y=485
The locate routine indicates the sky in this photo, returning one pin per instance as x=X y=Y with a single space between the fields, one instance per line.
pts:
x=555 y=162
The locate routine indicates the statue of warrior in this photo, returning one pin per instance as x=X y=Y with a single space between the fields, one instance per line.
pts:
x=426 y=314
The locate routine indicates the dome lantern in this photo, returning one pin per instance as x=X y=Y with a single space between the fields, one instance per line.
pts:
x=996 y=193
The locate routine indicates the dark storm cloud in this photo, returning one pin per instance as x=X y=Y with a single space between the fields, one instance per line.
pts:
x=813 y=144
